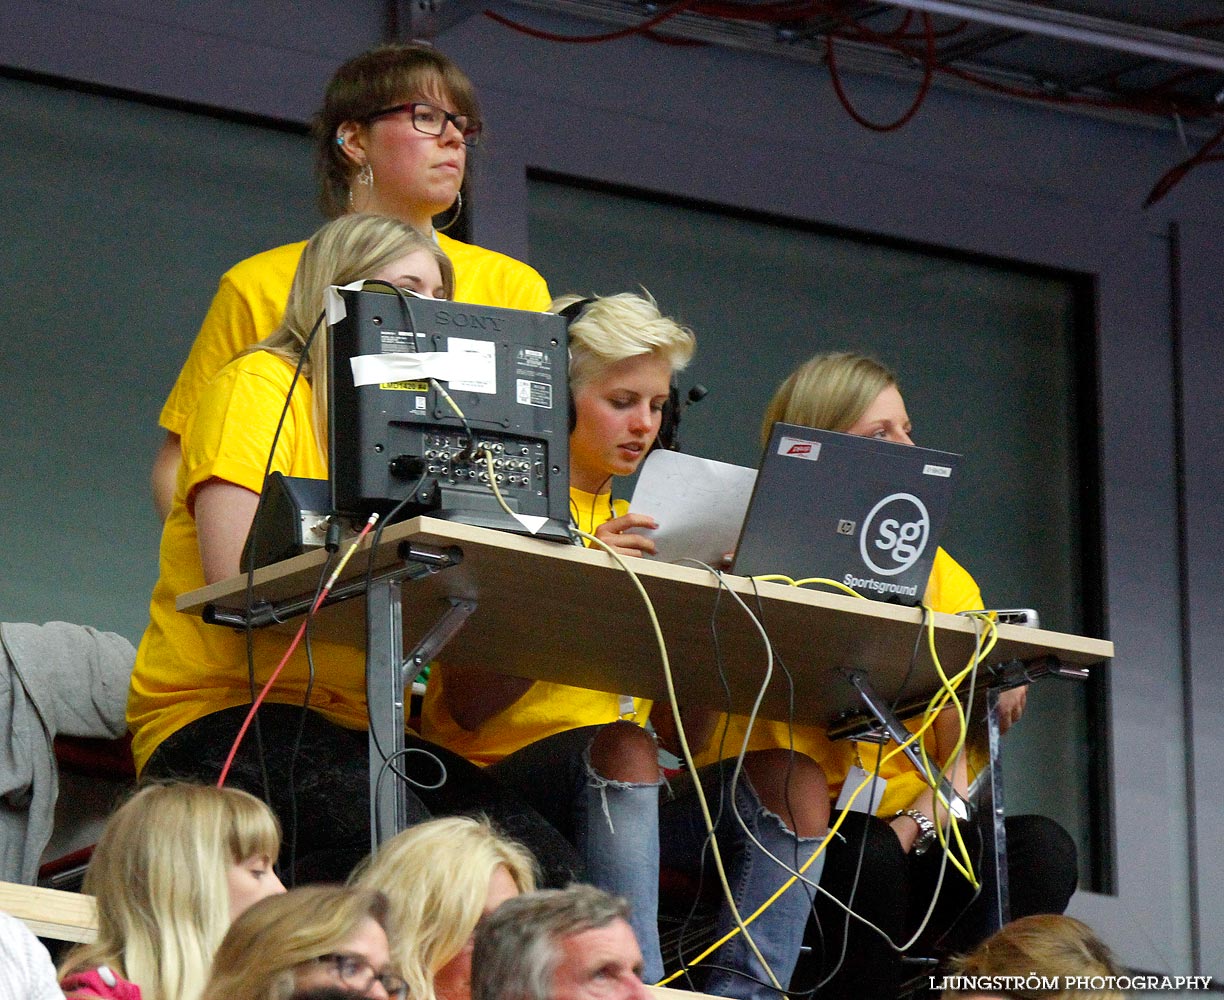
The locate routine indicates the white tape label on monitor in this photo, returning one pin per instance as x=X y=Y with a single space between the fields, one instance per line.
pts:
x=793 y=447
x=333 y=302
x=943 y=471
x=371 y=369
x=478 y=364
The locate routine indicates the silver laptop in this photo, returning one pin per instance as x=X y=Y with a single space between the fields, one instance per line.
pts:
x=864 y=512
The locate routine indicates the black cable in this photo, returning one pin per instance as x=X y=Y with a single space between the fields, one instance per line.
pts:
x=296 y=747
x=369 y=582
x=252 y=537
x=721 y=673
x=407 y=313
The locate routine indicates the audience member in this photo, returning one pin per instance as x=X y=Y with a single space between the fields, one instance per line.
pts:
x=561 y=944
x=27 y=970
x=440 y=878
x=310 y=938
x=174 y=866
x=56 y=679
x=1050 y=946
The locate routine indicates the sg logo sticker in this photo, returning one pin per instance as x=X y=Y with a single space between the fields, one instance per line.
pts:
x=895 y=533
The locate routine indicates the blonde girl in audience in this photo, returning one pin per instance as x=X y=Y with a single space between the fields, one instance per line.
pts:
x=440 y=878
x=310 y=938
x=175 y=865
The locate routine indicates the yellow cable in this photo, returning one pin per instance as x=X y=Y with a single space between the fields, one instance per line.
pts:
x=741 y=924
x=835 y=584
x=780 y=578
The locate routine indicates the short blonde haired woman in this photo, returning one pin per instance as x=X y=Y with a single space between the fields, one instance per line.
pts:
x=440 y=878
x=313 y=937
x=174 y=866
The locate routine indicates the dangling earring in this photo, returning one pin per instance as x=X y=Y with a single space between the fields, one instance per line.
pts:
x=454 y=218
x=365 y=177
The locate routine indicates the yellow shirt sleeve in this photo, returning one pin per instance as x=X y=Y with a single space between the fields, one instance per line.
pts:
x=248 y=306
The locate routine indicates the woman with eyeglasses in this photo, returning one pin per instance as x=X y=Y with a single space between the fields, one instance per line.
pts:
x=393 y=137
x=314 y=937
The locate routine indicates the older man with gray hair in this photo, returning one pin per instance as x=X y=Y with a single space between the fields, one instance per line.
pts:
x=560 y=944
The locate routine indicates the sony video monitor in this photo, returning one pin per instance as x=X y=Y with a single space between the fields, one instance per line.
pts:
x=432 y=402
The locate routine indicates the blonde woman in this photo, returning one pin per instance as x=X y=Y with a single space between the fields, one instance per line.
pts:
x=175 y=865
x=190 y=690
x=573 y=754
x=883 y=866
x=310 y=938
x=440 y=878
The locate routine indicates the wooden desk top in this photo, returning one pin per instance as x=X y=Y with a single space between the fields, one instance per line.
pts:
x=566 y=613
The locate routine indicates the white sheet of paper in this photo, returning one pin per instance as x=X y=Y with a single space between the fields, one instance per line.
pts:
x=698 y=503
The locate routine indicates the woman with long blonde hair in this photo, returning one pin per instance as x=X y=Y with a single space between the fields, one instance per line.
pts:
x=174 y=866
x=440 y=878
x=191 y=689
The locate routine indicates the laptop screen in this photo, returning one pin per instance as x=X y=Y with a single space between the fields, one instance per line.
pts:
x=864 y=512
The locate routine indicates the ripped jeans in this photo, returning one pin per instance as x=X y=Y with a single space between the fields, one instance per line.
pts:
x=623 y=830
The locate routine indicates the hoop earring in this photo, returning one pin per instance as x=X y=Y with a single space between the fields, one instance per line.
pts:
x=454 y=218
x=365 y=177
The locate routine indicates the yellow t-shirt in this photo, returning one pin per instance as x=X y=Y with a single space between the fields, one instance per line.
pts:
x=546 y=708
x=251 y=300
x=186 y=669
x=950 y=589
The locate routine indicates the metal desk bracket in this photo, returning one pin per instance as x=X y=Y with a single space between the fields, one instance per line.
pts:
x=388 y=674
x=892 y=725
x=388 y=671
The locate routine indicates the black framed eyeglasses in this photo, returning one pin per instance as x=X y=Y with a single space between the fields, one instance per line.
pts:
x=428 y=119
x=355 y=972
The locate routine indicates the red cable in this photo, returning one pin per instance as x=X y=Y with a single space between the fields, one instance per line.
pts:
x=1175 y=175
x=928 y=73
x=263 y=692
x=637 y=29
x=1152 y=101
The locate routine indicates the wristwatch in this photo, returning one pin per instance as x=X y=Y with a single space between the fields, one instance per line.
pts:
x=926 y=829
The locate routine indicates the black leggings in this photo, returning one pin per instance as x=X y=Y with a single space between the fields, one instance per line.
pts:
x=894 y=891
x=321 y=794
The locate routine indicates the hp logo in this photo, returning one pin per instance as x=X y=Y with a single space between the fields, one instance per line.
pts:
x=895 y=534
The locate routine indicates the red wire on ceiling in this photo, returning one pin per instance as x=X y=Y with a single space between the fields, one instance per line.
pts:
x=1160 y=99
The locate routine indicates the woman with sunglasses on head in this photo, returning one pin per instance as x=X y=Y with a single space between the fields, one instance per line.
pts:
x=583 y=758
x=393 y=137
x=191 y=688
x=310 y=938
